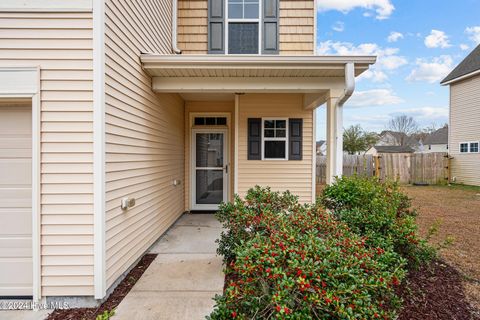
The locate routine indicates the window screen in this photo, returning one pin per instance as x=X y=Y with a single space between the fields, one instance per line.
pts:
x=243 y=38
x=275 y=149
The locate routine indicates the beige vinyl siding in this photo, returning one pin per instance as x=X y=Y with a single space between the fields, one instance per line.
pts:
x=61 y=45
x=192 y=26
x=211 y=107
x=464 y=127
x=144 y=134
x=296 y=27
x=295 y=176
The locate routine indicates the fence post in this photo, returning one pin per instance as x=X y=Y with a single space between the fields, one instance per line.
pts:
x=377 y=166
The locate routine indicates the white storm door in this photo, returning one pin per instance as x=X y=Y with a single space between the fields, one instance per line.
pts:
x=209 y=168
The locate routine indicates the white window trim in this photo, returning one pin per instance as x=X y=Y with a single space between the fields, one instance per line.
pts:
x=260 y=29
x=468 y=143
x=275 y=139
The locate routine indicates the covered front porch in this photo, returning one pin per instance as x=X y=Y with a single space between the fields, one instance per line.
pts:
x=251 y=120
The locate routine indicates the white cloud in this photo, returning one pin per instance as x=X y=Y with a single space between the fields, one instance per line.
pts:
x=426 y=113
x=373 y=75
x=372 y=98
x=387 y=58
x=431 y=70
x=437 y=39
x=464 y=47
x=339 y=26
x=394 y=36
x=382 y=8
x=474 y=33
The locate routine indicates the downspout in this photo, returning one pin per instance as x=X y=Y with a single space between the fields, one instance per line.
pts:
x=349 y=89
x=349 y=84
x=175 y=48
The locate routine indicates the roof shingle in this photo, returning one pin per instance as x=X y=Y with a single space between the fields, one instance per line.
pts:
x=470 y=64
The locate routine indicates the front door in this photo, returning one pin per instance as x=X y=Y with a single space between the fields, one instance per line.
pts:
x=210 y=168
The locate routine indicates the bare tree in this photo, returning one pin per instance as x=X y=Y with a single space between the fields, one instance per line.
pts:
x=404 y=125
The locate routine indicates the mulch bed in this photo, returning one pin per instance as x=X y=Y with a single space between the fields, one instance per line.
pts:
x=113 y=300
x=435 y=292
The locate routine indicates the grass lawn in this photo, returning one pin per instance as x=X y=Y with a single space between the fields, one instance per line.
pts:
x=456 y=210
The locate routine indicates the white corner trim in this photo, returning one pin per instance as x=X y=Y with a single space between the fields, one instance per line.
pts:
x=315 y=17
x=235 y=150
x=36 y=189
x=99 y=148
x=314 y=155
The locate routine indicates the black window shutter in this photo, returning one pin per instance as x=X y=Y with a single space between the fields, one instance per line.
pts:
x=270 y=27
x=254 y=139
x=216 y=26
x=295 y=139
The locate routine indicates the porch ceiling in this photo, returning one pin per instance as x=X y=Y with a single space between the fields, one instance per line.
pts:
x=314 y=76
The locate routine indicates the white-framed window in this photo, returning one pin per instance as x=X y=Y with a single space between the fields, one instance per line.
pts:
x=469 y=147
x=274 y=139
x=474 y=147
x=243 y=27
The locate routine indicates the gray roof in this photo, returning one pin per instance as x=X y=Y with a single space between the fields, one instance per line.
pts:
x=394 y=149
x=470 y=64
x=438 y=137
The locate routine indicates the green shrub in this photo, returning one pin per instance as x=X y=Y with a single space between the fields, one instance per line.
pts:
x=243 y=219
x=291 y=261
x=380 y=212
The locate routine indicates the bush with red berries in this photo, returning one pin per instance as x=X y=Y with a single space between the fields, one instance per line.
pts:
x=285 y=260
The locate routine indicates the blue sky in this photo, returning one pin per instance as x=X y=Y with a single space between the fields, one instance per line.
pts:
x=417 y=43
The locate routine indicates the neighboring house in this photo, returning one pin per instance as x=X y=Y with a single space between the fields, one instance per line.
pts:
x=464 y=126
x=321 y=148
x=436 y=141
x=98 y=108
x=393 y=138
x=378 y=150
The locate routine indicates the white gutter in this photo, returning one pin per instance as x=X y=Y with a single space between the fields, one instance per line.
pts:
x=349 y=84
x=175 y=48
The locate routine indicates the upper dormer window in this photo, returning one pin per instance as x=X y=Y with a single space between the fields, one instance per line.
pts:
x=243 y=26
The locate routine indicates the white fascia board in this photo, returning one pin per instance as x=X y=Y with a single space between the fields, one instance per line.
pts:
x=252 y=61
x=468 y=75
x=45 y=5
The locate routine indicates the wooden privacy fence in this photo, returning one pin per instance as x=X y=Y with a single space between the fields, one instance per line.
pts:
x=406 y=168
x=362 y=165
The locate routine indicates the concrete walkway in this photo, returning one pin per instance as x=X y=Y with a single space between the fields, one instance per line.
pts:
x=181 y=282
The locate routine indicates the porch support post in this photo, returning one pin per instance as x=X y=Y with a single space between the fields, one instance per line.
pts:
x=235 y=148
x=334 y=139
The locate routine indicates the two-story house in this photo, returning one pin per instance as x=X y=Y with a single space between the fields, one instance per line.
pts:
x=117 y=116
x=464 y=126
